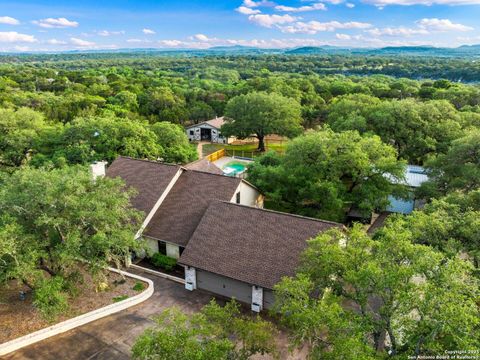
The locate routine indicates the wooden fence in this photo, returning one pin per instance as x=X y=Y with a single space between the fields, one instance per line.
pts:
x=216 y=155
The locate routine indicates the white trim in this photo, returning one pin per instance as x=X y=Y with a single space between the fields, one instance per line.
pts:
x=159 y=202
x=75 y=322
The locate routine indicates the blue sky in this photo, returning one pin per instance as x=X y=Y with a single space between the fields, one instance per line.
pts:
x=104 y=24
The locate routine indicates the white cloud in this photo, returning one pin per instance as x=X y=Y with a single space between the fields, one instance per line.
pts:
x=312 y=27
x=55 y=23
x=247 y=11
x=56 y=42
x=148 y=31
x=313 y=7
x=399 y=31
x=172 y=43
x=8 y=20
x=251 y=3
x=201 y=37
x=343 y=36
x=110 y=33
x=350 y=5
x=81 y=42
x=441 y=25
x=334 y=2
x=13 y=37
x=383 y=3
x=271 y=20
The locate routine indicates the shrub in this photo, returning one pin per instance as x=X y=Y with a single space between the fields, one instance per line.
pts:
x=120 y=298
x=50 y=297
x=163 y=261
x=138 y=286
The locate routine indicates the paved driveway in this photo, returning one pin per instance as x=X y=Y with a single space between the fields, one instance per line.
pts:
x=113 y=336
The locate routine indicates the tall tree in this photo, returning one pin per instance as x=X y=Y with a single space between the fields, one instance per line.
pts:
x=324 y=174
x=51 y=220
x=397 y=297
x=458 y=169
x=260 y=114
x=174 y=142
x=19 y=131
x=214 y=333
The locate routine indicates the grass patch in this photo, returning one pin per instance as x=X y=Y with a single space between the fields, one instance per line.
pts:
x=138 y=286
x=119 y=298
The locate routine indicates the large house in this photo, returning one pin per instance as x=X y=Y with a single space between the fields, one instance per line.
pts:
x=208 y=131
x=174 y=199
x=217 y=228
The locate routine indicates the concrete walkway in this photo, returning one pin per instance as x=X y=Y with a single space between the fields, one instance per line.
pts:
x=200 y=148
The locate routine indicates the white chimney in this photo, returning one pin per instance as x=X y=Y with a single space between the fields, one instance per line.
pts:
x=98 y=169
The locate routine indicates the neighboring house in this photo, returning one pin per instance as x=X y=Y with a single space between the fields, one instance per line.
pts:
x=217 y=228
x=242 y=252
x=414 y=177
x=208 y=131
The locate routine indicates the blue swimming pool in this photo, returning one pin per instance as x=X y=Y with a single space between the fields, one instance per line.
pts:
x=234 y=168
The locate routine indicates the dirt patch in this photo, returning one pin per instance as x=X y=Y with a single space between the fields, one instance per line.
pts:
x=18 y=318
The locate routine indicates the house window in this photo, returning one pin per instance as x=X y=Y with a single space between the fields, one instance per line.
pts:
x=191 y=132
x=238 y=197
x=162 y=248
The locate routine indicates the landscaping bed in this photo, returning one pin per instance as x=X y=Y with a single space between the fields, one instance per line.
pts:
x=177 y=270
x=20 y=317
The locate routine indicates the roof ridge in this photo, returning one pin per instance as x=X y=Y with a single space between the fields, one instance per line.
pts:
x=278 y=212
x=207 y=173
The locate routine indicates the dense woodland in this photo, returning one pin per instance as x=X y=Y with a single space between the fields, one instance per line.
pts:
x=350 y=134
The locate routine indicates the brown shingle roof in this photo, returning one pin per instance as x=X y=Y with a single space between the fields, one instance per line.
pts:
x=252 y=245
x=216 y=123
x=205 y=166
x=181 y=211
x=149 y=178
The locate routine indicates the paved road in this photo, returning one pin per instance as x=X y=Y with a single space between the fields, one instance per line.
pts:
x=113 y=336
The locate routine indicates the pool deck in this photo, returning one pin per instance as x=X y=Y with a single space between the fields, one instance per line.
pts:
x=226 y=159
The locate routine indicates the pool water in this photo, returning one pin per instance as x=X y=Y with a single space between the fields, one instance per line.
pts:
x=234 y=168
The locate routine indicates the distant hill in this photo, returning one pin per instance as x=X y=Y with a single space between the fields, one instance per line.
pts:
x=461 y=51
x=306 y=50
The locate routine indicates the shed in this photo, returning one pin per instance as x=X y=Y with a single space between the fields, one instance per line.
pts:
x=208 y=131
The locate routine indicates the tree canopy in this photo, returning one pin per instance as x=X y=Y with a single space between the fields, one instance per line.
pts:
x=261 y=114
x=215 y=332
x=51 y=220
x=373 y=297
x=325 y=174
x=457 y=169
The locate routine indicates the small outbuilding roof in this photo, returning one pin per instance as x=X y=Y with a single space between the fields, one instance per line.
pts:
x=183 y=208
x=415 y=175
x=149 y=178
x=216 y=123
x=252 y=245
